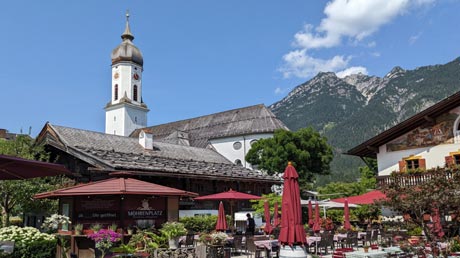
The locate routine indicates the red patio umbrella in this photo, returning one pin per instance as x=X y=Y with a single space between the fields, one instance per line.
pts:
x=346 y=214
x=292 y=231
x=276 y=220
x=317 y=225
x=18 y=168
x=310 y=214
x=268 y=225
x=366 y=198
x=231 y=196
x=221 y=224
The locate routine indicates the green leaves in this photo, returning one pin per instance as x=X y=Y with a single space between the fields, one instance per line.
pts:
x=305 y=148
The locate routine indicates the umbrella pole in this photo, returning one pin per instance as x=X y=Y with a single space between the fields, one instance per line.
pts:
x=233 y=216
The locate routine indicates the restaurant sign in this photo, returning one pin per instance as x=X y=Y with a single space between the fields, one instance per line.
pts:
x=98 y=215
x=145 y=212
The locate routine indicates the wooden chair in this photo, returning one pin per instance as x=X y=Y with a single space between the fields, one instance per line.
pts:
x=352 y=240
x=375 y=236
x=237 y=244
x=189 y=240
x=252 y=248
x=367 y=238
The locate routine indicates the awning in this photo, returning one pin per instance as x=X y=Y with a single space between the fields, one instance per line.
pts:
x=117 y=186
x=18 y=168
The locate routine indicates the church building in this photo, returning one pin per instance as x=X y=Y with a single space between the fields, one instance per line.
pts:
x=204 y=155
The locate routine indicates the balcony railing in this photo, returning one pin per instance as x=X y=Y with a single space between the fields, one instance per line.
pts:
x=408 y=179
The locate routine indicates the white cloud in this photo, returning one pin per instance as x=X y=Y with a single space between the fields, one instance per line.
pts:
x=353 y=20
x=279 y=90
x=352 y=70
x=414 y=38
x=300 y=64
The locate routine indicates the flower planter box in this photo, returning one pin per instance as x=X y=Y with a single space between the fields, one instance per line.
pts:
x=88 y=231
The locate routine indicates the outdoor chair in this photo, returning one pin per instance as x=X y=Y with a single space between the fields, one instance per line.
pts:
x=375 y=236
x=189 y=240
x=274 y=250
x=252 y=248
x=367 y=238
x=352 y=240
x=323 y=243
x=237 y=244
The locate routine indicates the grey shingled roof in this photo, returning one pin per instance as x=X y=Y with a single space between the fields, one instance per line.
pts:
x=247 y=120
x=112 y=152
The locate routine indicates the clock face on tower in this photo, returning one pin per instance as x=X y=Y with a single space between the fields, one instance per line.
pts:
x=136 y=76
x=116 y=75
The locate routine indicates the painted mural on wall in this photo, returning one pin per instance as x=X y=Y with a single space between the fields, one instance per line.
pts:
x=440 y=133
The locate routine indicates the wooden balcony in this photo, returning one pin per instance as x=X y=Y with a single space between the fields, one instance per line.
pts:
x=413 y=179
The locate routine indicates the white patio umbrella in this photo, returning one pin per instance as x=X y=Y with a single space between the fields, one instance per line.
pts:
x=327 y=204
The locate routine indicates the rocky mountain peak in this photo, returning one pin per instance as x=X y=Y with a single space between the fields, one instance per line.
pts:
x=395 y=72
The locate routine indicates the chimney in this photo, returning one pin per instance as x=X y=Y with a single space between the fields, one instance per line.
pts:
x=146 y=140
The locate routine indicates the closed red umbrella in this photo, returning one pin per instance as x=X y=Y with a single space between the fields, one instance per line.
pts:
x=268 y=225
x=276 y=220
x=317 y=225
x=310 y=214
x=221 y=224
x=292 y=231
x=346 y=213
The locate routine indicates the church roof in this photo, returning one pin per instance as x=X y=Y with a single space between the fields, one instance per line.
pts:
x=198 y=131
x=110 y=153
x=127 y=51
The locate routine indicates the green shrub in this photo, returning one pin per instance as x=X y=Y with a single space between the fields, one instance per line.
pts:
x=205 y=223
x=29 y=242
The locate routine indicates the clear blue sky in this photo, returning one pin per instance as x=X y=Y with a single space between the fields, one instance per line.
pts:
x=202 y=57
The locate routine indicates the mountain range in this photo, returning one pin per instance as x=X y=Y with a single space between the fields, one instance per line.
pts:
x=354 y=108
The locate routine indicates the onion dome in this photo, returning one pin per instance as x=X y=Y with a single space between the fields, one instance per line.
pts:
x=127 y=51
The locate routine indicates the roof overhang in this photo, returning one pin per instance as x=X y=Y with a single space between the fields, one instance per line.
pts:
x=428 y=116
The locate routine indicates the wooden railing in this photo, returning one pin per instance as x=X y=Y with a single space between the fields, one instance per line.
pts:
x=408 y=179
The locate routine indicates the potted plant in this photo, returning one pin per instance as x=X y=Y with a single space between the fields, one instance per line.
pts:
x=78 y=229
x=105 y=239
x=129 y=230
x=173 y=230
x=366 y=248
x=95 y=227
x=113 y=227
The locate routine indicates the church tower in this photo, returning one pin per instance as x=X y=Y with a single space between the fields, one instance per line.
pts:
x=126 y=112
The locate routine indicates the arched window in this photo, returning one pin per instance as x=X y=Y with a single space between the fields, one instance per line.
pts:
x=115 y=93
x=135 y=93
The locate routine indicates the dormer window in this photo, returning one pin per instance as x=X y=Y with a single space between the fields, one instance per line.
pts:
x=135 y=93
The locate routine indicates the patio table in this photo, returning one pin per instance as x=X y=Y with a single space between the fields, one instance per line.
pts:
x=267 y=245
x=339 y=237
x=370 y=254
x=313 y=239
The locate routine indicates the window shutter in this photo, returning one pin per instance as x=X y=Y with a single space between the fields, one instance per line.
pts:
x=422 y=164
x=449 y=161
x=402 y=166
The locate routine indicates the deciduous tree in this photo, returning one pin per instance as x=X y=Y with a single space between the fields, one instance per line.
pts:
x=16 y=195
x=306 y=149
